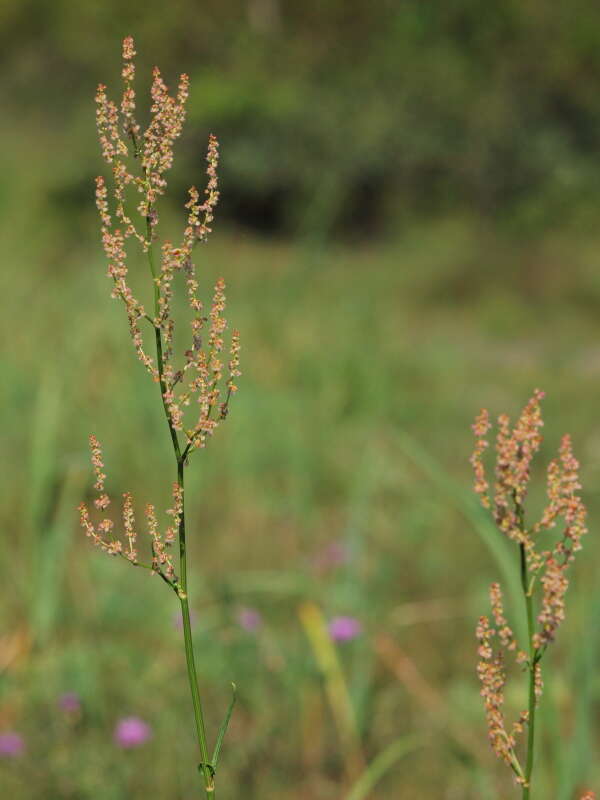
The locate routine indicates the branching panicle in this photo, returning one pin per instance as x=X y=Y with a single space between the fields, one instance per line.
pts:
x=199 y=378
x=542 y=564
x=102 y=534
x=183 y=383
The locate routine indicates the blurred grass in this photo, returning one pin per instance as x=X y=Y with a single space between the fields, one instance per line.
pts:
x=363 y=369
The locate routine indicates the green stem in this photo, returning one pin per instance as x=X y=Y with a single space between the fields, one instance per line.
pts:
x=158 y=338
x=205 y=766
x=531 y=733
x=189 y=648
x=534 y=657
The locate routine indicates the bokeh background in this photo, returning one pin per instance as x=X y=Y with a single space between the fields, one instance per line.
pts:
x=409 y=231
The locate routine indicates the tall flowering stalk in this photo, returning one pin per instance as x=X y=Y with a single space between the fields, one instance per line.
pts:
x=546 y=550
x=195 y=388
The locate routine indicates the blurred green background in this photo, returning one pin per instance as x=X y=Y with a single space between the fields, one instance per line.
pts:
x=409 y=231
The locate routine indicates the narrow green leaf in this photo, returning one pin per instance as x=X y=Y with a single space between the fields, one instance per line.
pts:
x=471 y=510
x=576 y=754
x=53 y=552
x=223 y=728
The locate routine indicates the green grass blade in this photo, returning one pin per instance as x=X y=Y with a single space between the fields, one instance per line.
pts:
x=43 y=453
x=53 y=553
x=471 y=510
x=223 y=728
x=381 y=764
x=576 y=754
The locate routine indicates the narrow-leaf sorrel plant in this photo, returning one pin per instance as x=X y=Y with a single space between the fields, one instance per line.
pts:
x=544 y=559
x=139 y=163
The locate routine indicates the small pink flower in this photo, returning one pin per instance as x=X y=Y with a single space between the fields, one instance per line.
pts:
x=249 y=619
x=332 y=555
x=132 y=732
x=69 y=702
x=343 y=629
x=11 y=745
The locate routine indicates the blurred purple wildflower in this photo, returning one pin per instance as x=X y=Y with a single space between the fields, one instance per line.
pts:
x=132 y=732
x=11 y=745
x=69 y=702
x=332 y=555
x=343 y=629
x=249 y=619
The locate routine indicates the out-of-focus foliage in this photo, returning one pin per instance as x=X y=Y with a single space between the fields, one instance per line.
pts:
x=348 y=115
x=363 y=369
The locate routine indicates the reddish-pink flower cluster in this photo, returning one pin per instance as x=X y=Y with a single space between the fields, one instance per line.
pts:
x=199 y=378
x=514 y=452
x=545 y=562
x=492 y=675
x=102 y=534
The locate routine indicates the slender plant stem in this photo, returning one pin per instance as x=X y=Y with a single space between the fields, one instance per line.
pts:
x=531 y=734
x=205 y=765
x=189 y=648
x=534 y=657
x=158 y=337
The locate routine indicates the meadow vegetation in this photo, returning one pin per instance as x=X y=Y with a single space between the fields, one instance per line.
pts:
x=340 y=559
x=353 y=427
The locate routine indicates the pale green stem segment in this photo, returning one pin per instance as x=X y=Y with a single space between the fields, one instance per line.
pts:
x=534 y=658
x=205 y=767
